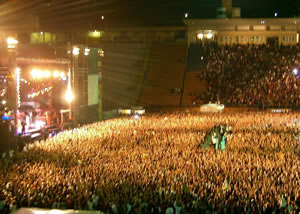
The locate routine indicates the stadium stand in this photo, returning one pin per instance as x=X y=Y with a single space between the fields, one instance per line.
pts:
x=163 y=81
x=257 y=75
x=193 y=86
x=122 y=67
x=197 y=55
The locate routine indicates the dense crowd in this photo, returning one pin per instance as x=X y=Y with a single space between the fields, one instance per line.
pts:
x=155 y=163
x=262 y=75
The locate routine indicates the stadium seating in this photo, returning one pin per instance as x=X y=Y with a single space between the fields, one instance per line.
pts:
x=197 y=56
x=252 y=75
x=193 y=86
x=122 y=67
x=163 y=79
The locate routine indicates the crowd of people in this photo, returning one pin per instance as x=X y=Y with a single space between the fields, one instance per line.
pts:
x=154 y=164
x=264 y=75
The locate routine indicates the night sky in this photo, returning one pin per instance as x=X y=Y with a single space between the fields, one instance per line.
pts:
x=87 y=13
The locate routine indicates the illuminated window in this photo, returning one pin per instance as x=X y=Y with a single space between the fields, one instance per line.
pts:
x=94 y=34
x=209 y=35
x=200 y=35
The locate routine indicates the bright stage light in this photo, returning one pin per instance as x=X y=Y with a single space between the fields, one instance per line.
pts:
x=62 y=75
x=3 y=102
x=55 y=74
x=69 y=96
x=36 y=74
x=47 y=74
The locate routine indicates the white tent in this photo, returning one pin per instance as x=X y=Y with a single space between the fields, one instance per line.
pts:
x=212 y=107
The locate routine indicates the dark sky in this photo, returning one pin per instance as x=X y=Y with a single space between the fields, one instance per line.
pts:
x=87 y=13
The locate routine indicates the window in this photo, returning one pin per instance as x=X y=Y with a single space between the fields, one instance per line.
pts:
x=287 y=39
x=242 y=39
x=292 y=38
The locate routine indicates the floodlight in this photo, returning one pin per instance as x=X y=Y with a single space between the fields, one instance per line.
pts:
x=69 y=96
x=55 y=74
x=200 y=35
x=47 y=74
x=86 y=51
x=209 y=35
x=36 y=73
x=76 y=51
x=62 y=75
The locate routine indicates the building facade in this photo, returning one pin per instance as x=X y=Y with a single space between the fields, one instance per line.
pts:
x=223 y=31
x=243 y=31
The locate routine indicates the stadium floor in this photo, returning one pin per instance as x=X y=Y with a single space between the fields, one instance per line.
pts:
x=154 y=163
